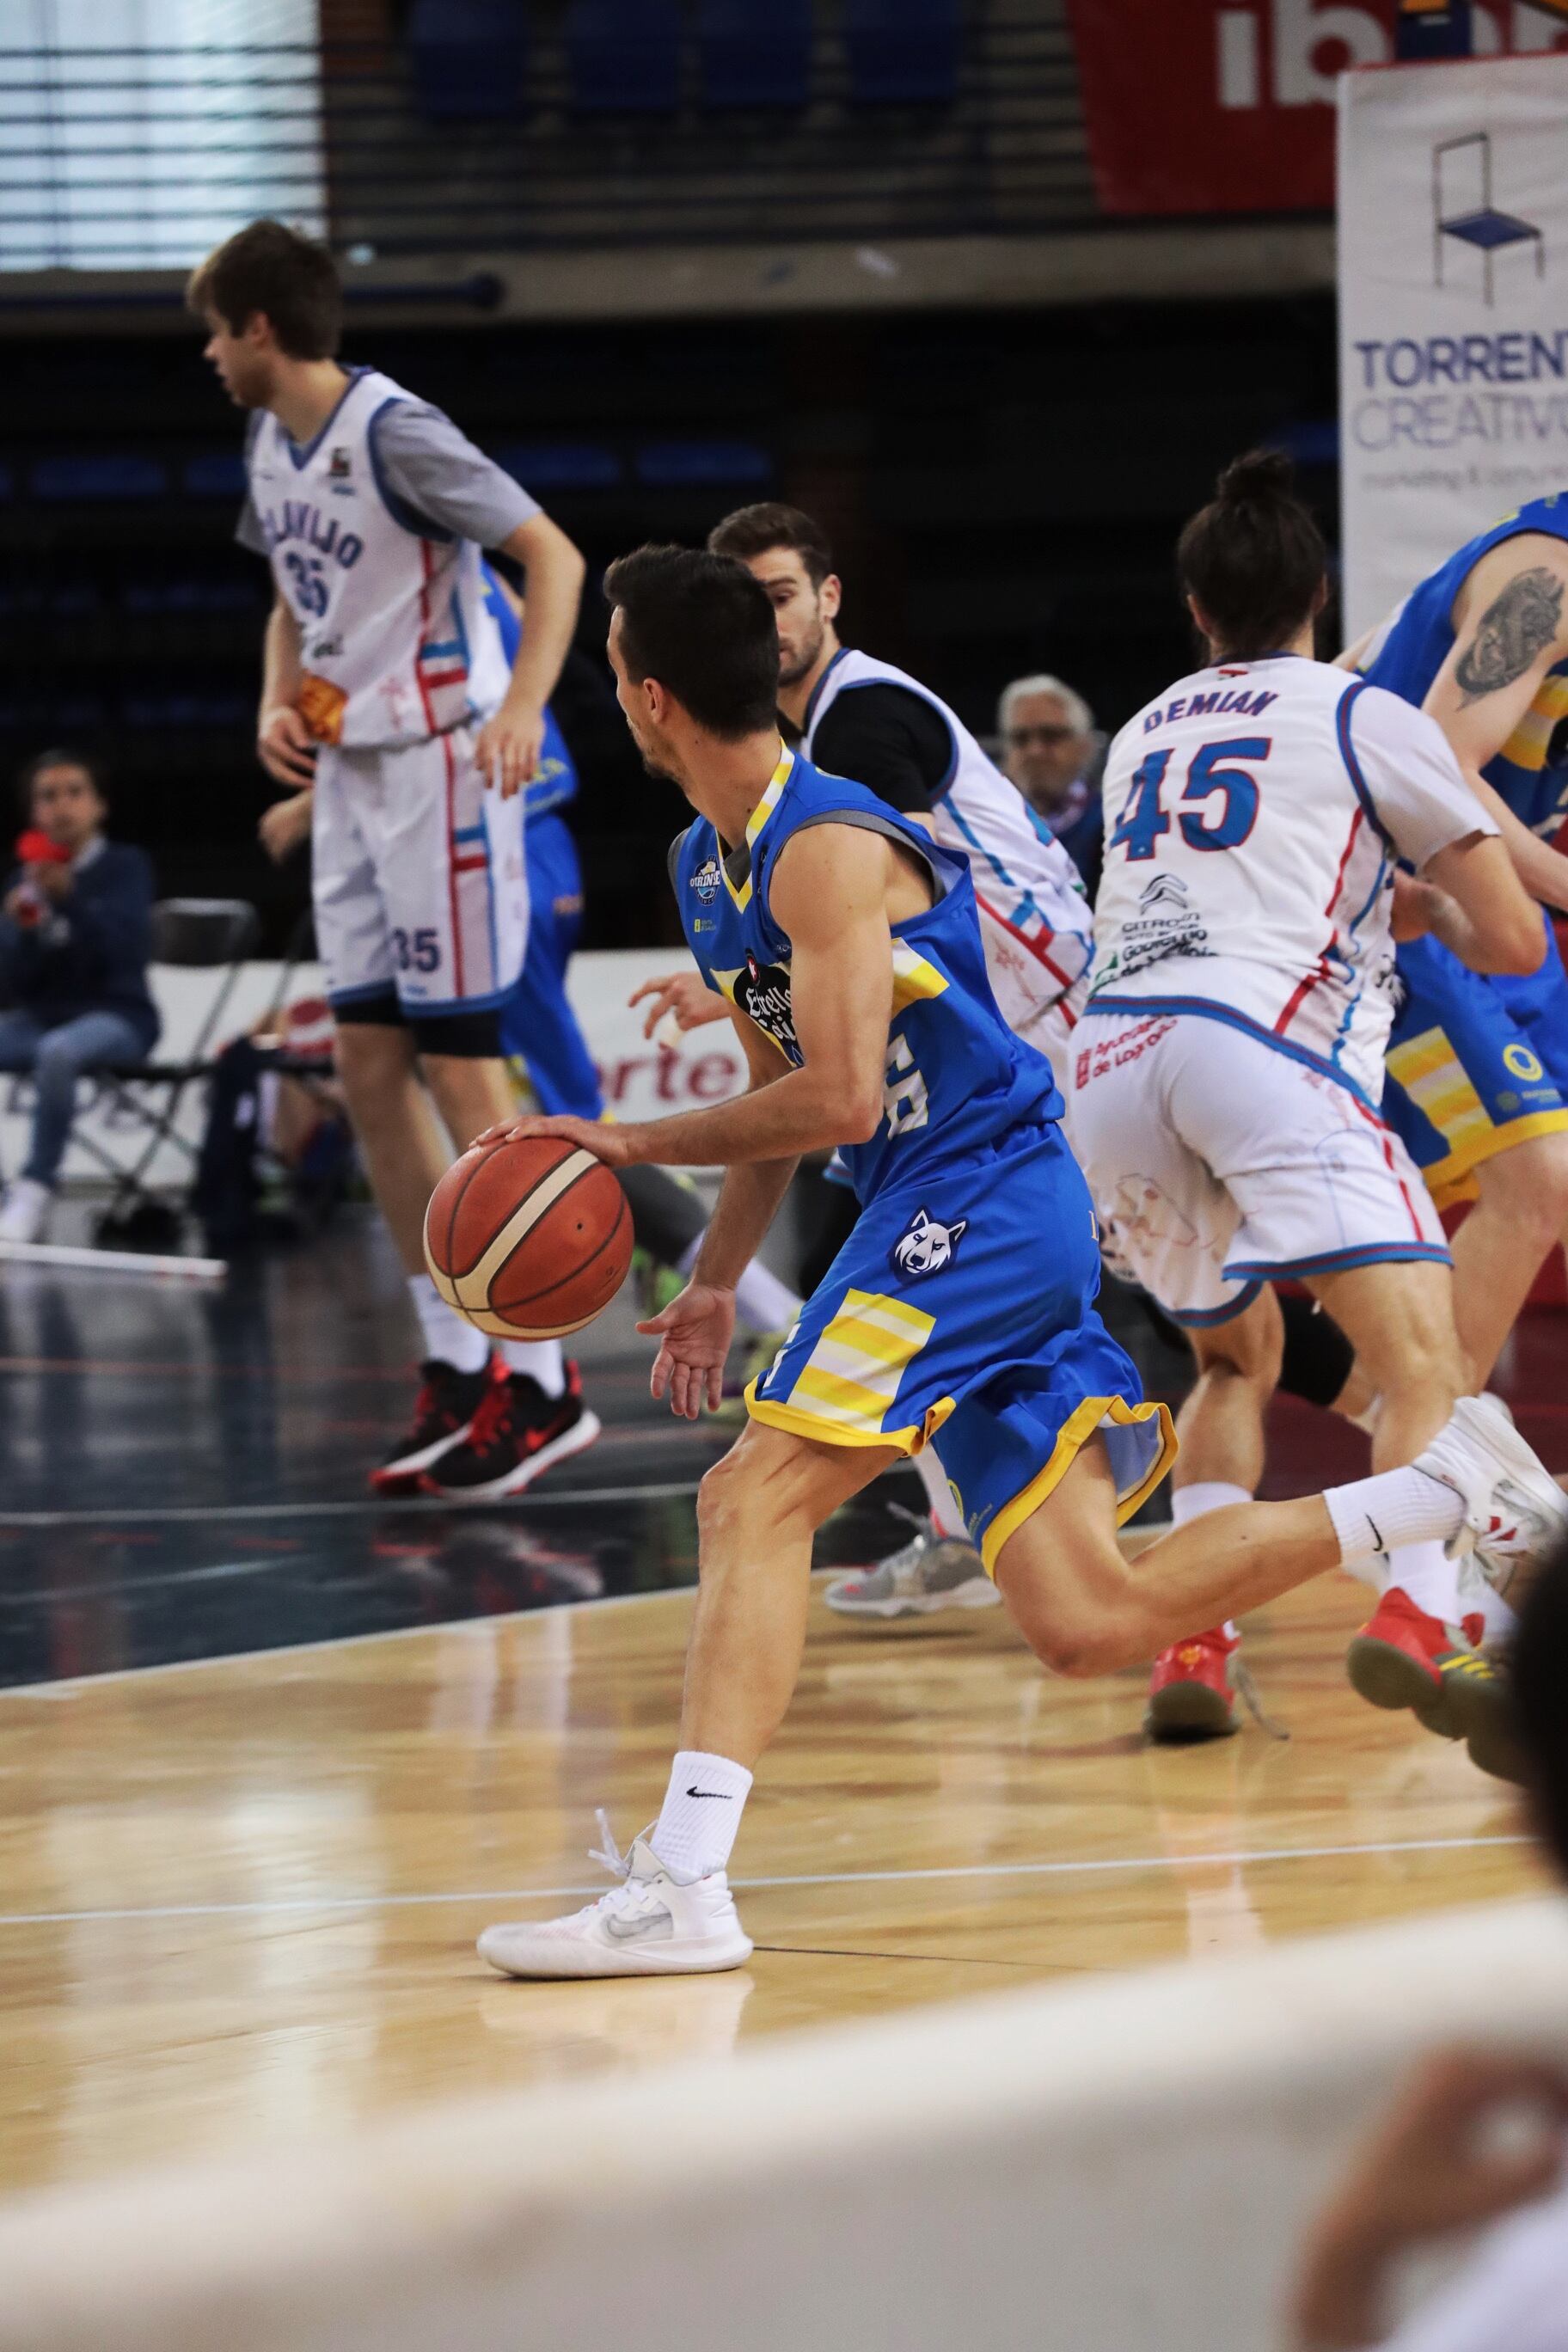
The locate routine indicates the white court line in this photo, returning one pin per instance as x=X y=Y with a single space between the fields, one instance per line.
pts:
x=139 y=1513
x=1236 y=1861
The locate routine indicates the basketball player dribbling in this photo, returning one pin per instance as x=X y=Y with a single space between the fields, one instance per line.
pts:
x=847 y=941
x=385 y=687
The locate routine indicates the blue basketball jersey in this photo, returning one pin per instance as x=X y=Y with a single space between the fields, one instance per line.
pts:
x=1531 y=771
x=956 y=1076
x=554 y=781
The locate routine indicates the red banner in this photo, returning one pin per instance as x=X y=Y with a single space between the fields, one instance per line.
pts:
x=1220 y=106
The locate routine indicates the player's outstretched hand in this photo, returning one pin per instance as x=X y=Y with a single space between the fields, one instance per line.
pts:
x=610 y=1144
x=285 y=747
x=694 y=1333
x=685 y=996
x=507 y=748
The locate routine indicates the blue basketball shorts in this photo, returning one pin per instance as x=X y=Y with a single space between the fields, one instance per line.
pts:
x=537 y=1026
x=961 y=1312
x=1477 y=1063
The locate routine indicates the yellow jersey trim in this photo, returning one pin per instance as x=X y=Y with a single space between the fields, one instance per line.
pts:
x=757 y=820
x=1451 y=1179
x=1075 y=1431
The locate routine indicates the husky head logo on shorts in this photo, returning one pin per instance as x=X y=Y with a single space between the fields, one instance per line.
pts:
x=706 y=880
x=924 y=1246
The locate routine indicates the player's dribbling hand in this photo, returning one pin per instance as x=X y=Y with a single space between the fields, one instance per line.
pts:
x=685 y=996
x=285 y=747
x=694 y=1333
x=507 y=747
x=611 y=1144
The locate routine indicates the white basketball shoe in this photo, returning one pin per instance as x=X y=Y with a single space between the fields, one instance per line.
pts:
x=649 y=1926
x=1515 y=1514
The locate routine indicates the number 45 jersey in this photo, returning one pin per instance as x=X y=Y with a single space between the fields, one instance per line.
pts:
x=956 y=1078
x=1253 y=816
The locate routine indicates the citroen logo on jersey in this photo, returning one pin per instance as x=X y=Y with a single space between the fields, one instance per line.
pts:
x=925 y=1246
x=1164 y=890
x=706 y=880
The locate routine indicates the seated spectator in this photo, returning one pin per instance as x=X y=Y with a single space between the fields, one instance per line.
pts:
x=1440 y=2166
x=76 y=938
x=1051 y=752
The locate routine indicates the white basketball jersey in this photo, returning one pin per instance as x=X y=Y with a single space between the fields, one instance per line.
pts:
x=397 y=643
x=1253 y=816
x=1028 y=886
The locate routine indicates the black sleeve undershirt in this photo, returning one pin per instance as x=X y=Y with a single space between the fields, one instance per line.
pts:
x=888 y=740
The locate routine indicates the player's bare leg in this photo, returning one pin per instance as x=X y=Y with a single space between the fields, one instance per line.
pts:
x=405 y=1153
x=1520 y=1216
x=1192 y=1690
x=757 y=1511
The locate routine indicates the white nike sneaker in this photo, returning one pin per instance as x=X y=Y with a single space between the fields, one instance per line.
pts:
x=1514 y=1512
x=649 y=1926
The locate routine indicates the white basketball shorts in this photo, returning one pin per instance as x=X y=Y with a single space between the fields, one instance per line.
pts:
x=417 y=877
x=1218 y=1163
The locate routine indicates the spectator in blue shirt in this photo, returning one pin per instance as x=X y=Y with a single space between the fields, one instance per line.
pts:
x=76 y=938
x=1053 y=753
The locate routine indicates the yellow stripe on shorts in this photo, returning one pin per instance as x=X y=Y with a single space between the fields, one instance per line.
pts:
x=852 y=1374
x=1433 y=1076
x=1530 y=741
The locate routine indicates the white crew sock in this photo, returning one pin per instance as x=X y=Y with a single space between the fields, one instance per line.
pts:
x=1193 y=1502
x=944 y=1514
x=1498 y=1619
x=1394 y=1508
x=1425 y=1572
x=700 y=1815
x=762 y=1302
x=541 y=1359
x=448 y=1336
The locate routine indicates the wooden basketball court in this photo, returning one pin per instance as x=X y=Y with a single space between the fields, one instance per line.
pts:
x=241 y=1895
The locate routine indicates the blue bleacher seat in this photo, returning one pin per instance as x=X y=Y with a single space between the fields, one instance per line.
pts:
x=469 y=58
x=901 y=52
x=755 y=56
x=559 y=465
x=218 y=474
x=102 y=479
x=670 y=465
x=623 y=56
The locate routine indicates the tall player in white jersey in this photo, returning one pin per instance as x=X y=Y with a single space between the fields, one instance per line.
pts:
x=385 y=686
x=1229 y=1068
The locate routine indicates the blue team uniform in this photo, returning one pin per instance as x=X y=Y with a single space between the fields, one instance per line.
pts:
x=961 y=1306
x=538 y=1025
x=1478 y=1063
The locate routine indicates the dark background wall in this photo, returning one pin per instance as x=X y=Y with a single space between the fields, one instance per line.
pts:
x=1003 y=489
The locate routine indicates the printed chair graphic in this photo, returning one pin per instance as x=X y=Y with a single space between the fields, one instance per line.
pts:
x=1462 y=174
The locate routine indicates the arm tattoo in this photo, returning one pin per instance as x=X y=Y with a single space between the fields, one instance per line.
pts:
x=1522 y=619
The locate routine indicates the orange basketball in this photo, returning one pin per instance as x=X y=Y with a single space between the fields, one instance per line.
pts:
x=530 y=1240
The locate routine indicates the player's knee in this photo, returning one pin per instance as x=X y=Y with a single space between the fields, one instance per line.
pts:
x=725 y=1495
x=1250 y=1348
x=1530 y=1186
x=372 y=1060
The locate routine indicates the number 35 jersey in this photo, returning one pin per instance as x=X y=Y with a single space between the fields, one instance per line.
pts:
x=1253 y=816
x=396 y=641
x=955 y=1077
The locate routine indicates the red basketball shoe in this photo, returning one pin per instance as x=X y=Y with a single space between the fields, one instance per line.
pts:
x=516 y=1435
x=1402 y=1658
x=1192 y=1693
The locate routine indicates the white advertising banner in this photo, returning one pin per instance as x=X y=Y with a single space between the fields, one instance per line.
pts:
x=1453 y=268
x=640 y=1081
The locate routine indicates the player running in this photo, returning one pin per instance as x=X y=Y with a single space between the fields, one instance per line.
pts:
x=386 y=686
x=849 y=943
x=1230 y=1057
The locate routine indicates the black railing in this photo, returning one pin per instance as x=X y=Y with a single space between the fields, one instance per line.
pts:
x=118 y=161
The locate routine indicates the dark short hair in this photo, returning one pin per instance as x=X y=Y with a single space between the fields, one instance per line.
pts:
x=58 y=755
x=286 y=275
x=701 y=625
x=1538 y=1677
x=753 y=531
x=1254 y=558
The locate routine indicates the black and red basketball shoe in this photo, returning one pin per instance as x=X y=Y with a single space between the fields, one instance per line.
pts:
x=444 y=1414
x=518 y=1433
